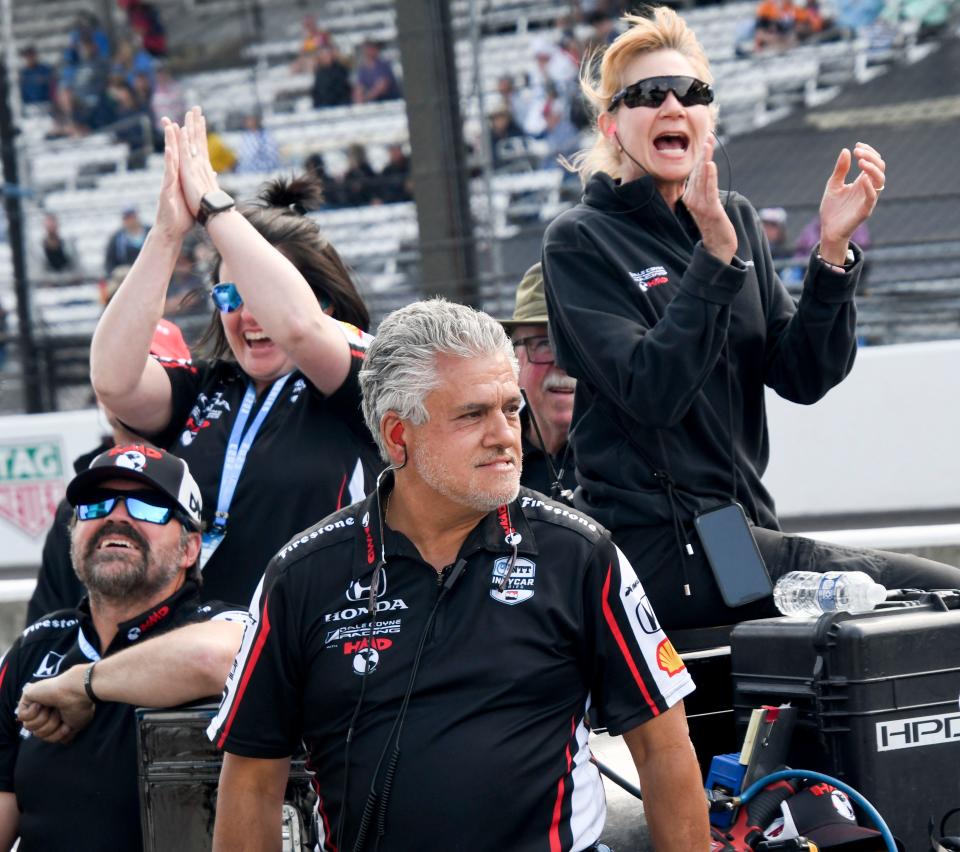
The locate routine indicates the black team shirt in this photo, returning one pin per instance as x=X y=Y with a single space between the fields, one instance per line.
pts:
x=312 y=456
x=82 y=796
x=494 y=745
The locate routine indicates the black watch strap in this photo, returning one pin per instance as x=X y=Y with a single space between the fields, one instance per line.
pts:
x=213 y=203
x=88 y=684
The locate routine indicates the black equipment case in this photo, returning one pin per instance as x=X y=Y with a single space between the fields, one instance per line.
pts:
x=179 y=769
x=878 y=699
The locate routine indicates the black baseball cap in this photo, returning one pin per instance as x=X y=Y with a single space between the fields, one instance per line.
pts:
x=826 y=816
x=142 y=463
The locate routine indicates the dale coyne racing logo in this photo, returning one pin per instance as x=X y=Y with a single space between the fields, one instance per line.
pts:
x=519 y=587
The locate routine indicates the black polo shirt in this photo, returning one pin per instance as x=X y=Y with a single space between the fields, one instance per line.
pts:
x=82 y=796
x=494 y=744
x=312 y=456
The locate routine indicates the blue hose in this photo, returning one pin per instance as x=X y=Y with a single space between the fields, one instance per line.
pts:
x=872 y=812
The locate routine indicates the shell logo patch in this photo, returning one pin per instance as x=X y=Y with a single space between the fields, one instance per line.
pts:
x=668 y=659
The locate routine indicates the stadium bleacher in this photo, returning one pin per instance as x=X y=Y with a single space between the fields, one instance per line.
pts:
x=769 y=103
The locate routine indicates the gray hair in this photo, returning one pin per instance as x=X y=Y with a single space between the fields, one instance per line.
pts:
x=400 y=367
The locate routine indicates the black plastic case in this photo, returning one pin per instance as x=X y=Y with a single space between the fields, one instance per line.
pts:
x=878 y=698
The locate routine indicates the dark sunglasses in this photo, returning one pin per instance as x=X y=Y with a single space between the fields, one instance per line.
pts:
x=539 y=349
x=227 y=298
x=145 y=507
x=654 y=90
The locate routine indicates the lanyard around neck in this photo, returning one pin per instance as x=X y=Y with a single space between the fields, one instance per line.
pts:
x=241 y=439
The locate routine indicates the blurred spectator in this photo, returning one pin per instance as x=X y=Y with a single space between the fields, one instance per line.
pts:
x=56 y=255
x=132 y=123
x=552 y=65
x=88 y=84
x=130 y=60
x=775 y=25
x=87 y=27
x=313 y=39
x=257 y=150
x=331 y=78
x=774 y=221
x=502 y=127
x=604 y=32
x=394 y=183
x=359 y=179
x=37 y=79
x=810 y=236
x=222 y=157
x=517 y=102
x=375 y=78
x=317 y=168
x=810 y=22
x=125 y=244
x=561 y=135
x=144 y=20
x=167 y=98
x=64 y=125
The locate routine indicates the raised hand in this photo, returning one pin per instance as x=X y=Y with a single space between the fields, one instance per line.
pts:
x=174 y=218
x=197 y=176
x=702 y=198
x=846 y=206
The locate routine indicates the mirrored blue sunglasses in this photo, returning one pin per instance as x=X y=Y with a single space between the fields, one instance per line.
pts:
x=227 y=298
x=139 y=508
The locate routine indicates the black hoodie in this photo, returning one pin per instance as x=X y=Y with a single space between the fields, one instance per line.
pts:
x=644 y=317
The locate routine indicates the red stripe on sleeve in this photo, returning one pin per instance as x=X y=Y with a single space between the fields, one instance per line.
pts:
x=340 y=495
x=247 y=671
x=622 y=644
x=558 y=804
x=3 y=674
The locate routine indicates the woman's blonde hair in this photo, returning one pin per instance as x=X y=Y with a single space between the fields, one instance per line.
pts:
x=601 y=77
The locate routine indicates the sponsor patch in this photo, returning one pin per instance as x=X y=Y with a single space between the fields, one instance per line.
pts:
x=352 y=612
x=548 y=509
x=668 y=659
x=519 y=587
x=652 y=276
x=31 y=484
x=366 y=660
x=647 y=617
x=359 y=591
x=358 y=631
x=49 y=665
x=336 y=525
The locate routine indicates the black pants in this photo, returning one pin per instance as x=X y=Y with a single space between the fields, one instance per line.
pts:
x=653 y=553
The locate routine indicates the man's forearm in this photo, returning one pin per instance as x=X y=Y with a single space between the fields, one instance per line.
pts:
x=9 y=821
x=249 y=804
x=183 y=665
x=673 y=801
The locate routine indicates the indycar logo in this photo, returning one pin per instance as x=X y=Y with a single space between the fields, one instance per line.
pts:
x=519 y=585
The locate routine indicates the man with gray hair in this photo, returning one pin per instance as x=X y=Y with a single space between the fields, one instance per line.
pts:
x=441 y=642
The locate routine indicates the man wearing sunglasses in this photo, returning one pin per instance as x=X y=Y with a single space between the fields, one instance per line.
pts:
x=70 y=746
x=548 y=464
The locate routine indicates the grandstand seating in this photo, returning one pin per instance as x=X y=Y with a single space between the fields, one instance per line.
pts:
x=86 y=182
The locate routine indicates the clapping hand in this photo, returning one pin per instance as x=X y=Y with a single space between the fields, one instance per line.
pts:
x=846 y=206
x=174 y=218
x=197 y=176
x=702 y=198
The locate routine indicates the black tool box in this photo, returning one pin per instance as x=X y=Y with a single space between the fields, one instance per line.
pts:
x=179 y=771
x=878 y=697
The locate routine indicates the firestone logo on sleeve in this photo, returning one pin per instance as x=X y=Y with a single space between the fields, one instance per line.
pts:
x=336 y=525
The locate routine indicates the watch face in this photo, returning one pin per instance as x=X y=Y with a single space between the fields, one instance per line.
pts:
x=217 y=201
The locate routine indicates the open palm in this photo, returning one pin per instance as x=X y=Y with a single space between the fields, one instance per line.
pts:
x=845 y=206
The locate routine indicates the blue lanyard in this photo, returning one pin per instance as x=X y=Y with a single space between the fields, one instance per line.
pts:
x=239 y=445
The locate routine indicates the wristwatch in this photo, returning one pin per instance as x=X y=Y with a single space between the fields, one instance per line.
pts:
x=847 y=263
x=213 y=203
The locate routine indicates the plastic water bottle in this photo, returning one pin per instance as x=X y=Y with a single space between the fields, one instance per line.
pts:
x=807 y=593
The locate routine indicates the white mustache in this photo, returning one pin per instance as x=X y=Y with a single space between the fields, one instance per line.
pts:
x=556 y=381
